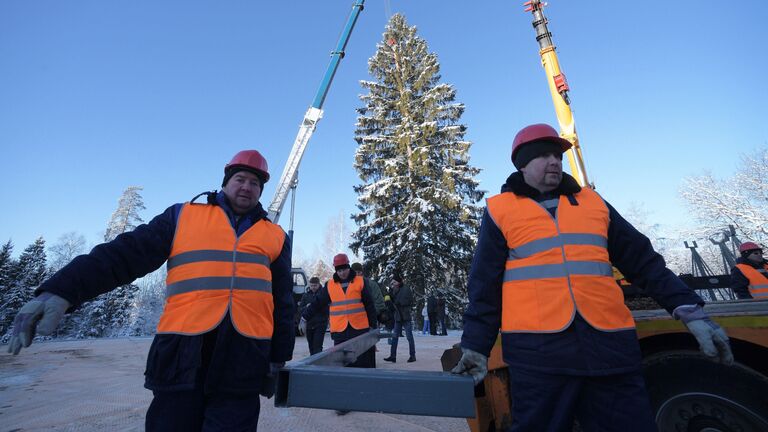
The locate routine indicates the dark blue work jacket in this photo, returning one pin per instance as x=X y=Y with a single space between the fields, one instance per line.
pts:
x=580 y=349
x=221 y=360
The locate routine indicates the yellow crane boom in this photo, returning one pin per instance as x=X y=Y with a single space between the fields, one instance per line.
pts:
x=558 y=87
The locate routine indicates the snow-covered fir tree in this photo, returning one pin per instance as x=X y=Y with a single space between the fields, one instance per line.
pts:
x=107 y=314
x=126 y=217
x=6 y=263
x=24 y=276
x=417 y=201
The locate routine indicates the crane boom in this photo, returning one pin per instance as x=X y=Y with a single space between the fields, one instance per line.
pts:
x=311 y=118
x=558 y=87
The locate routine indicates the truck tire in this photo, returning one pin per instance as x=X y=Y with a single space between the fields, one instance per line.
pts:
x=692 y=394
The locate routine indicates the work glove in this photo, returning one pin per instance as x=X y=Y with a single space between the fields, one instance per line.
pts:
x=40 y=315
x=713 y=342
x=269 y=383
x=302 y=326
x=472 y=363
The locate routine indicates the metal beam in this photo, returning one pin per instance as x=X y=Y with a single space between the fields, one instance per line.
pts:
x=321 y=381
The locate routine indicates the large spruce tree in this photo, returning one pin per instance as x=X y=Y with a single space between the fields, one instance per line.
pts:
x=109 y=313
x=417 y=201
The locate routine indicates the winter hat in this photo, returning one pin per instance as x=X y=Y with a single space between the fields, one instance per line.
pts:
x=232 y=170
x=532 y=150
x=397 y=278
x=357 y=267
x=314 y=279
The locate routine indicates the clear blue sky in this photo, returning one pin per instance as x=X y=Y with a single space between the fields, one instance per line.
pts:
x=96 y=96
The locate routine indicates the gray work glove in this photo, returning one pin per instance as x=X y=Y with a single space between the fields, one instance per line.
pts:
x=40 y=315
x=269 y=383
x=713 y=342
x=302 y=326
x=472 y=363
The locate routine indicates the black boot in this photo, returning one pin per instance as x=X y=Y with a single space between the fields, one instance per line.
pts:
x=390 y=359
x=411 y=359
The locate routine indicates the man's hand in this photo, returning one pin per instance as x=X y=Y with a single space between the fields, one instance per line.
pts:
x=40 y=315
x=713 y=342
x=302 y=326
x=472 y=363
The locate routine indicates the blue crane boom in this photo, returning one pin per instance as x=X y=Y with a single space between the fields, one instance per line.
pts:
x=313 y=115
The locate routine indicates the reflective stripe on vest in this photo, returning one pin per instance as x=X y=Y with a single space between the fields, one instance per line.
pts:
x=212 y=271
x=347 y=307
x=758 y=280
x=557 y=266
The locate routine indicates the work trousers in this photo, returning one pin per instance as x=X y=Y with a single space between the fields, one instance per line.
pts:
x=613 y=403
x=425 y=329
x=433 y=324
x=315 y=336
x=408 y=327
x=195 y=411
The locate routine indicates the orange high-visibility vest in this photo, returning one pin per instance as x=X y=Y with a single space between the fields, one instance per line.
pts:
x=212 y=271
x=347 y=307
x=758 y=280
x=557 y=266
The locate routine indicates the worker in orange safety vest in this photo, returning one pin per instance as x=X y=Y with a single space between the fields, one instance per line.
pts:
x=542 y=275
x=227 y=325
x=749 y=278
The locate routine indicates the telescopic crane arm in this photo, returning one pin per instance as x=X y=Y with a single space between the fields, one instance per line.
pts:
x=558 y=87
x=313 y=115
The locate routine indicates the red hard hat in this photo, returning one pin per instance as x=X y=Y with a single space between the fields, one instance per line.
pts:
x=251 y=160
x=748 y=246
x=340 y=259
x=536 y=132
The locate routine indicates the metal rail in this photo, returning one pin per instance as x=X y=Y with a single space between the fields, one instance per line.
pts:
x=321 y=381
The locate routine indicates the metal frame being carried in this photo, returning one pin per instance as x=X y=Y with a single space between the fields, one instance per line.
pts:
x=321 y=381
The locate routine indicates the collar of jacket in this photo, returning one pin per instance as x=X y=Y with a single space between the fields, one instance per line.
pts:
x=758 y=266
x=256 y=214
x=349 y=278
x=516 y=183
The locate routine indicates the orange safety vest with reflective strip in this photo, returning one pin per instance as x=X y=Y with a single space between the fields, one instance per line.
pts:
x=758 y=280
x=557 y=266
x=212 y=271
x=347 y=307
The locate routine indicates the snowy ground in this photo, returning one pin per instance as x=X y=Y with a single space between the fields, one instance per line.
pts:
x=96 y=385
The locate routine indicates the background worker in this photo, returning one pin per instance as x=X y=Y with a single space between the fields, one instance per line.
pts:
x=542 y=275
x=352 y=311
x=749 y=278
x=375 y=290
x=228 y=317
x=402 y=299
x=317 y=325
x=432 y=313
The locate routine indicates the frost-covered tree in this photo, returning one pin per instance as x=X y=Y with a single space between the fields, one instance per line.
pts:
x=6 y=264
x=109 y=313
x=66 y=248
x=126 y=217
x=741 y=200
x=25 y=276
x=417 y=200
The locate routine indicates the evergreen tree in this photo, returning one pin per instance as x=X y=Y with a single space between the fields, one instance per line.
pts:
x=107 y=314
x=417 y=201
x=6 y=264
x=24 y=277
x=126 y=217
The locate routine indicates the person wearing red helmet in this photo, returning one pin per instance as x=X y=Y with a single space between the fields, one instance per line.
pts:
x=227 y=325
x=749 y=278
x=542 y=275
x=352 y=309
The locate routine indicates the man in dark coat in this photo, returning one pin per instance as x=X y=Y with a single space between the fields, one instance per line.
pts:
x=201 y=378
x=402 y=299
x=432 y=313
x=317 y=325
x=441 y=313
x=542 y=275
